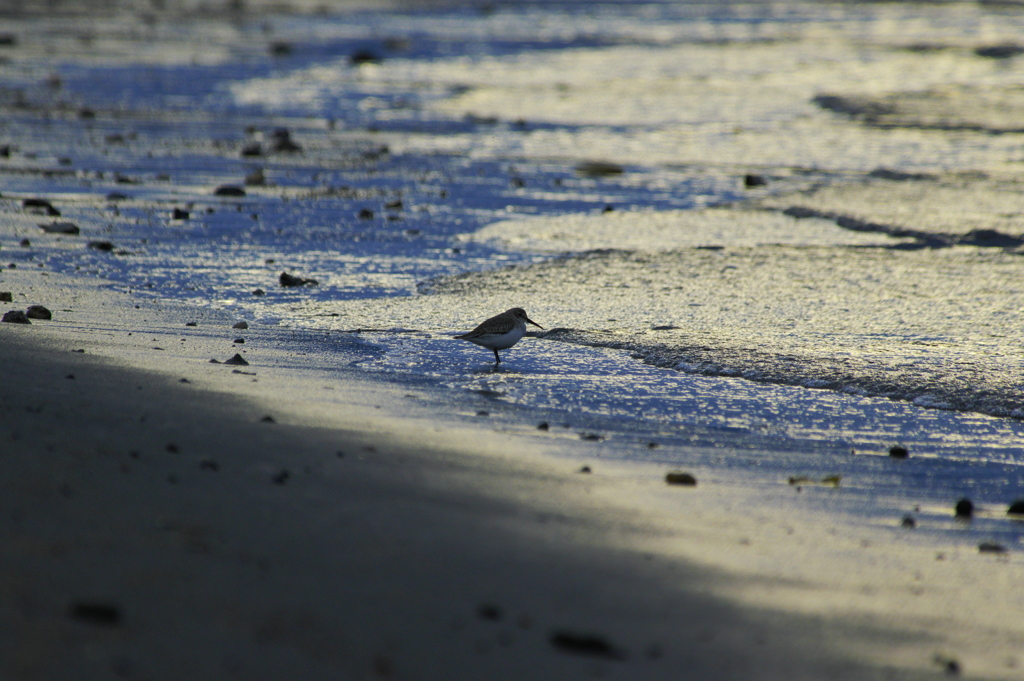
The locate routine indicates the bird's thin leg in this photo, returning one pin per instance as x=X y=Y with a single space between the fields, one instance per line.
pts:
x=497 y=360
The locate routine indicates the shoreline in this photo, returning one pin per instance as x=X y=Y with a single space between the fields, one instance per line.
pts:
x=445 y=549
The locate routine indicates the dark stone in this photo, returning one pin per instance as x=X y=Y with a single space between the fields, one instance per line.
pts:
x=38 y=312
x=591 y=437
x=252 y=149
x=363 y=57
x=15 y=317
x=754 y=181
x=282 y=142
x=25 y=243
x=6 y=297
x=909 y=522
x=898 y=176
x=237 y=360
x=543 y=425
x=964 y=508
x=117 y=196
x=255 y=178
x=229 y=190
x=172 y=448
x=259 y=292
x=86 y=113
x=1016 y=508
x=40 y=206
x=279 y=49
x=599 y=168
x=990 y=238
x=8 y=40
x=191 y=324
x=584 y=644
x=608 y=208
x=289 y=280
x=799 y=212
x=854 y=106
x=105 y=246
x=680 y=478
x=898 y=452
x=1002 y=51
x=238 y=340
x=179 y=214
x=281 y=477
x=268 y=419
x=489 y=611
x=240 y=325
x=991 y=547
x=365 y=214
x=99 y=614
x=61 y=228
x=585 y=469
x=394 y=205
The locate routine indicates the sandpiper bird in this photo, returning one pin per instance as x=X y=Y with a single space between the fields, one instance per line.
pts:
x=501 y=331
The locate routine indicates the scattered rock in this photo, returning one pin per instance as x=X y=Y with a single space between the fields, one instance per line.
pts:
x=237 y=360
x=591 y=437
x=1016 y=508
x=41 y=207
x=238 y=341
x=543 y=425
x=172 y=448
x=394 y=205
x=585 y=469
x=598 y=168
x=191 y=323
x=60 y=228
x=898 y=452
x=489 y=611
x=680 y=478
x=909 y=522
x=259 y=292
x=99 y=614
x=289 y=280
x=584 y=644
x=6 y=297
x=363 y=57
x=117 y=196
x=754 y=181
x=365 y=214
x=104 y=246
x=964 y=508
x=282 y=142
x=25 y=243
x=899 y=176
x=483 y=413
x=229 y=190
x=989 y=238
x=991 y=547
x=1001 y=51
x=38 y=312
x=255 y=178
x=15 y=317
x=268 y=419
x=279 y=48
x=8 y=40
x=240 y=325
x=281 y=477
x=179 y=214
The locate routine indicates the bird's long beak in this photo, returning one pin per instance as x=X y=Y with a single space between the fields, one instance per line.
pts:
x=534 y=323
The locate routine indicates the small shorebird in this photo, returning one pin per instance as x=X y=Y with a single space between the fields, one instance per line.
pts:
x=501 y=331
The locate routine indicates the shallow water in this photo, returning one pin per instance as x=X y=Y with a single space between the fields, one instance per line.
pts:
x=458 y=146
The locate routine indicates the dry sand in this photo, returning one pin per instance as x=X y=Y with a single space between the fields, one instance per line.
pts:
x=157 y=529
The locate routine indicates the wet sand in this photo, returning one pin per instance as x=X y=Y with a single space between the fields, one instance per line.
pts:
x=155 y=528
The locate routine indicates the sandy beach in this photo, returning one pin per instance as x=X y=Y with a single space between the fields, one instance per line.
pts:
x=209 y=474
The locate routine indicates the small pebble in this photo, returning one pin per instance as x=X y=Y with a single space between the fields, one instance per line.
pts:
x=240 y=325
x=25 y=243
x=6 y=297
x=238 y=340
x=754 y=181
x=543 y=425
x=909 y=522
x=100 y=614
x=268 y=419
x=585 y=469
x=898 y=452
x=489 y=611
x=229 y=190
x=259 y=292
x=290 y=280
x=179 y=214
x=964 y=508
x=15 y=317
x=1016 y=508
x=680 y=478
x=281 y=477
x=237 y=360
x=61 y=228
x=991 y=547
